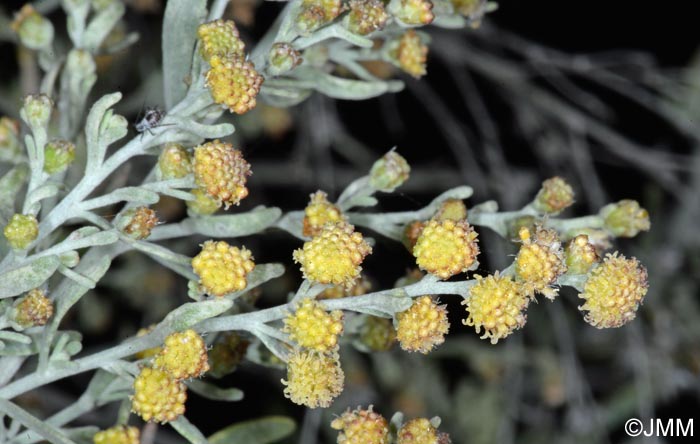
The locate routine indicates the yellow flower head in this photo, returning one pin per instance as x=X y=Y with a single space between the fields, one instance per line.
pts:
x=158 y=396
x=540 y=261
x=446 y=248
x=219 y=38
x=34 y=309
x=318 y=213
x=413 y=12
x=366 y=16
x=234 y=83
x=410 y=53
x=377 y=334
x=580 y=255
x=554 y=196
x=184 y=355
x=423 y=326
x=21 y=231
x=174 y=162
x=334 y=255
x=221 y=268
x=120 y=434
x=222 y=171
x=497 y=304
x=313 y=379
x=418 y=431
x=613 y=292
x=312 y=327
x=625 y=218
x=361 y=427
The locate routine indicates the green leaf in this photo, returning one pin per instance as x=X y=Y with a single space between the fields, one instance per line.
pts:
x=265 y=430
x=210 y=391
x=182 y=17
x=25 y=277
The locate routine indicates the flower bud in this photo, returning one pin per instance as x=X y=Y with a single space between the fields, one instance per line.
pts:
x=58 y=155
x=389 y=172
x=412 y=12
x=137 y=223
x=34 y=30
x=417 y=431
x=366 y=16
x=318 y=213
x=37 y=111
x=540 y=260
x=554 y=196
x=580 y=255
x=409 y=53
x=174 y=162
x=316 y=13
x=203 y=204
x=377 y=334
x=283 y=58
x=21 y=231
x=219 y=38
x=451 y=209
x=32 y=310
x=120 y=434
x=625 y=218
x=226 y=353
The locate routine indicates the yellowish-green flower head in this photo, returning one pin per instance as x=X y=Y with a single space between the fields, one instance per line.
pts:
x=174 y=162
x=311 y=326
x=554 y=196
x=625 y=218
x=418 y=431
x=361 y=427
x=313 y=379
x=21 y=231
x=613 y=292
x=234 y=83
x=423 y=326
x=410 y=53
x=158 y=397
x=413 y=12
x=222 y=171
x=33 y=309
x=540 y=261
x=581 y=255
x=120 y=434
x=497 y=305
x=183 y=356
x=334 y=255
x=219 y=38
x=446 y=248
x=221 y=268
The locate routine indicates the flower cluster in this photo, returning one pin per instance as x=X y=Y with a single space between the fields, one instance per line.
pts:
x=313 y=379
x=497 y=304
x=334 y=255
x=423 y=326
x=221 y=268
x=446 y=248
x=222 y=171
x=613 y=291
x=312 y=327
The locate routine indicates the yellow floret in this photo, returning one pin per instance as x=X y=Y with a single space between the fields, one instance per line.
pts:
x=613 y=292
x=361 y=427
x=222 y=171
x=312 y=327
x=313 y=379
x=157 y=396
x=540 y=261
x=34 y=309
x=423 y=326
x=120 y=434
x=234 y=83
x=318 y=213
x=446 y=248
x=497 y=304
x=334 y=256
x=184 y=355
x=221 y=38
x=221 y=268
x=418 y=431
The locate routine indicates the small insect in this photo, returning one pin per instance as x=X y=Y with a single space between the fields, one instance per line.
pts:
x=152 y=119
